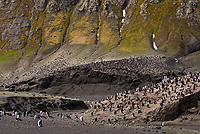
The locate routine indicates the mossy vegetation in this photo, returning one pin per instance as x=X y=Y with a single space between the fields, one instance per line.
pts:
x=110 y=38
x=135 y=35
x=10 y=55
x=109 y=29
x=197 y=54
x=83 y=29
x=165 y=27
x=55 y=32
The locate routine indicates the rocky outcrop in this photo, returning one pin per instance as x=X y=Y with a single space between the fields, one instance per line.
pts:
x=108 y=11
x=154 y=1
x=186 y=10
x=36 y=104
x=14 y=4
x=53 y=6
x=174 y=110
x=194 y=47
x=108 y=8
x=3 y=3
x=143 y=11
x=56 y=5
x=88 y=6
x=40 y=5
x=12 y=30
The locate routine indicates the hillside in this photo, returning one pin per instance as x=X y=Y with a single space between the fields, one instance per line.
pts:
x=94 y=30
x=130 y=62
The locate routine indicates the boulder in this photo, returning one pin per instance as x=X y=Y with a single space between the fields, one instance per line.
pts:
x=40 y=5
x=88 y=5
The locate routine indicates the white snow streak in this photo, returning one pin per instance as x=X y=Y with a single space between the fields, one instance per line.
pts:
x=124 y=13
x=153 y=35
x=154 y=46
x=122 y=21
x=98 y=36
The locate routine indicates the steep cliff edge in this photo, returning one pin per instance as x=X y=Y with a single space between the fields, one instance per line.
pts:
x=89 y=30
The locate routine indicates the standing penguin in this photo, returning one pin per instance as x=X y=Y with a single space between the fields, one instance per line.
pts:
x=23 y=114
x=81 y=118
x=1 y=113
x=47 y=113
x=26 y=113
x=36 y=117
x=39 y=123
x=162 y=124
x=18 y=118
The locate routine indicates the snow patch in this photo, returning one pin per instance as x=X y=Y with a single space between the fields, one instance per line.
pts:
x=98 y=36
x=154 y=46
x=122 y=21
x=153 y=36
x=124 y=13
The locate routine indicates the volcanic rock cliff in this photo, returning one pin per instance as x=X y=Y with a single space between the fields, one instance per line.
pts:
x=34 y=30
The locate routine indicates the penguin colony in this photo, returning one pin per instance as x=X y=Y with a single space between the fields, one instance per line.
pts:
x=141 y=105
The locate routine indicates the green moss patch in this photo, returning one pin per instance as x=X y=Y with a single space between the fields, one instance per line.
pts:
x=54 y=33
x=10 y=55
x=83 y=29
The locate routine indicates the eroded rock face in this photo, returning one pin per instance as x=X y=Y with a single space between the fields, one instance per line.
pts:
x=2 y=3
x=11 y=32
x=56 y=5
x=88 y=5
x=108 y=8
x=143 y=11
x=186 y=10
x=154 y=1
x=37 y=104
x=53 y=6
x=172 y=111
x=133 y=2
x=40 y=5
x=108 y=11
x=14 y=5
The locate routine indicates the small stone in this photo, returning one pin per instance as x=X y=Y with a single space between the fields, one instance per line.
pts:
x=158 y=127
